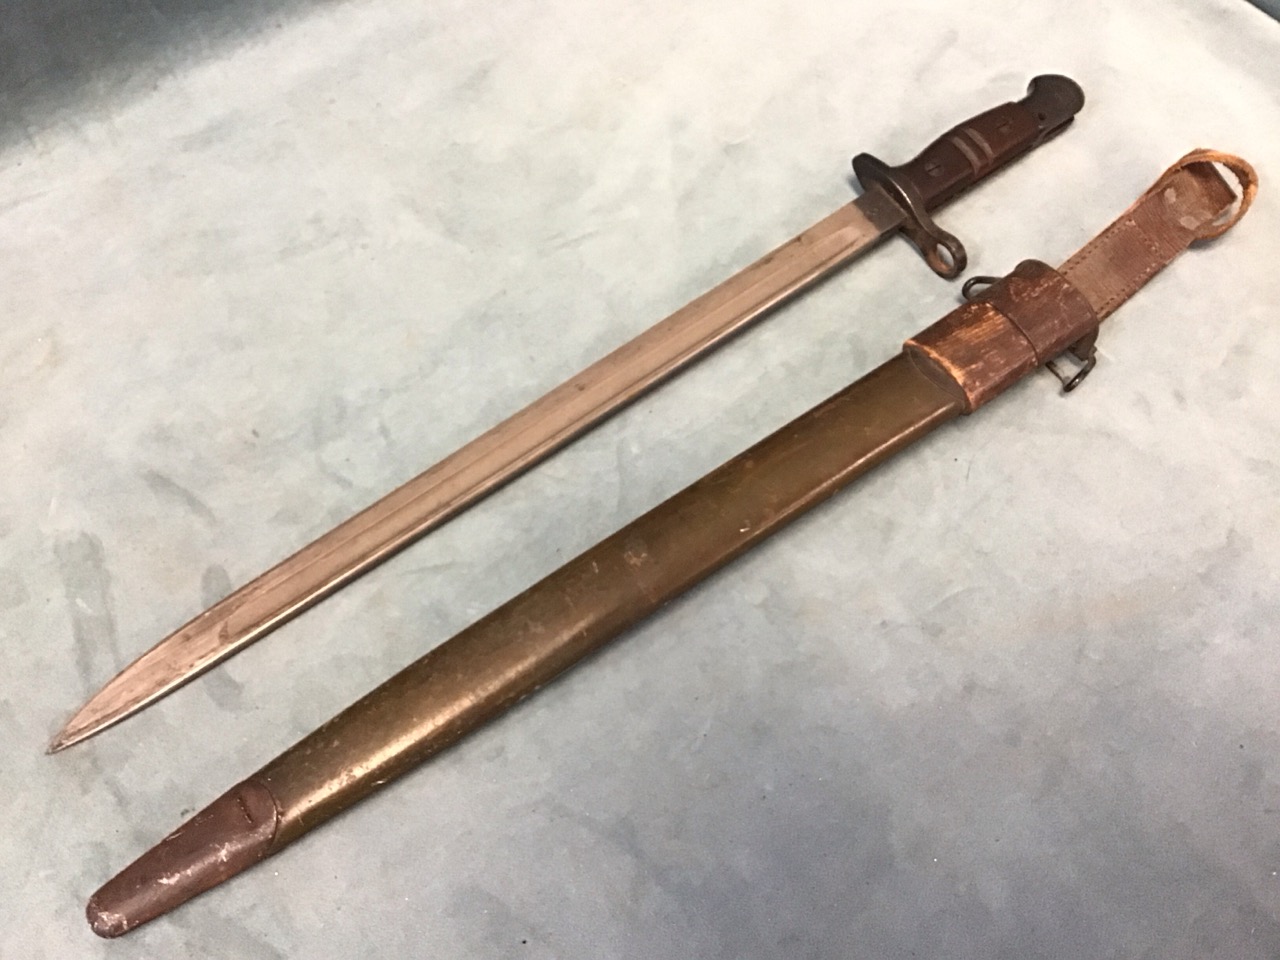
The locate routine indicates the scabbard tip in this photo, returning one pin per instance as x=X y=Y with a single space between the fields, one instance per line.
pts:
x=231 y=834
x=105 y=923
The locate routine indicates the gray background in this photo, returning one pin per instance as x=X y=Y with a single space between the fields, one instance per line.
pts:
x=1271 y=6
x=1013 y=696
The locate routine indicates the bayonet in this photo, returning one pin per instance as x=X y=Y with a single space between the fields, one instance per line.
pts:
x=956 y=366
x=895 y=199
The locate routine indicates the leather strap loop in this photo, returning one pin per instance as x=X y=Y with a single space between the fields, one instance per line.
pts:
x=1244 y=173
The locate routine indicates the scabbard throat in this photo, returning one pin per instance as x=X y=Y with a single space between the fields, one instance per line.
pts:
x=1017 y=324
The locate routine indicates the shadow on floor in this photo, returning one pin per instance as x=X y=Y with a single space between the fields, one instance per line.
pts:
x=62 y=57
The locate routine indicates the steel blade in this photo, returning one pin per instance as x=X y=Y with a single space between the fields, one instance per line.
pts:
x=482 y=465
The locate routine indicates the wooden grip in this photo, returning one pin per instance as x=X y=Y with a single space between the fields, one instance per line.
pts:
x=978 y=147
x=964 y=155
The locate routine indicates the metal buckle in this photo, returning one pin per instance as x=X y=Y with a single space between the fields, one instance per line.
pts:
x=1070 y=383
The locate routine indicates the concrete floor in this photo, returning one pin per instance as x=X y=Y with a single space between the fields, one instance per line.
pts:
x=1013 y=696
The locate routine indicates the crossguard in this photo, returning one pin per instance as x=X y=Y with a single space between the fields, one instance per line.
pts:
x=963 y=156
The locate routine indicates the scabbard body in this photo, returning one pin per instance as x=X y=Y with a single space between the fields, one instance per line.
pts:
x=591 y=599
x=528 y=641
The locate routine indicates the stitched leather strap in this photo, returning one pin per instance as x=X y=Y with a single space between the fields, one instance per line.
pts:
x=1023 y=321
x=1189 y=202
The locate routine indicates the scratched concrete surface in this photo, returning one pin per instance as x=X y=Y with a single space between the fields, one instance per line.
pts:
x=1013 y=696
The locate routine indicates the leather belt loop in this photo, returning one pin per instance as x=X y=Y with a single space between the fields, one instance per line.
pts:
x=1021 y=322
x=1027 y=319
x=1045 y=307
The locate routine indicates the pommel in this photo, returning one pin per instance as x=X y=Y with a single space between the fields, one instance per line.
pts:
x=1055 y=100
x=964 y=155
